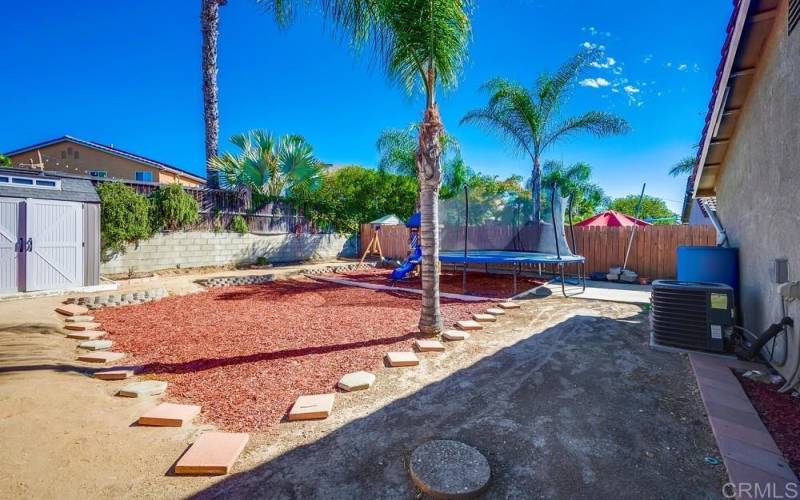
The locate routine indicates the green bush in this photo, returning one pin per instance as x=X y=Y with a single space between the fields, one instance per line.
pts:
x=262 y=261
x=124 y=217
x=239 y=225
x=172 y=208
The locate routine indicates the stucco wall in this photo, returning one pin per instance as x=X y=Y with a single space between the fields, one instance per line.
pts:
x=758 y=195
x=201 y=248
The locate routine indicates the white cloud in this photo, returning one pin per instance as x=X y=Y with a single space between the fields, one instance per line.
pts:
x=589 y=45
x=610 y=61
x=695 y=67
x=594 y=83
x=669 y=64
x=683 y=67
x=630 y=89
x=647 y=58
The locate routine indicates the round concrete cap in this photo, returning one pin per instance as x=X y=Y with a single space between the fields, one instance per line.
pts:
x=449 y=469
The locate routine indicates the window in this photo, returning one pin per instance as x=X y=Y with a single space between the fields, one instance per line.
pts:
x=144 y=176
x=63 y=155
x=75 y=154
x=30 y=182
x=98 y=173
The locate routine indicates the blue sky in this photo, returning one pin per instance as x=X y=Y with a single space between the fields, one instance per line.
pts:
x=128 y=74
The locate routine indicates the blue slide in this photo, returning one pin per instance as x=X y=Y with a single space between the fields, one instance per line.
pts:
x=411 y=262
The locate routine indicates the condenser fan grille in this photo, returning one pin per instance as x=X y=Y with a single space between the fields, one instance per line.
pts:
x=681 y=318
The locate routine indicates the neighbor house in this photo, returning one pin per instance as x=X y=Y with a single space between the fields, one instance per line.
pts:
x=748 y=165
x=76 y=156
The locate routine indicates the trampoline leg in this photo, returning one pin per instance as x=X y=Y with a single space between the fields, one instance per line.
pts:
x=515 y=281
x=583 y=276
x=563 y=289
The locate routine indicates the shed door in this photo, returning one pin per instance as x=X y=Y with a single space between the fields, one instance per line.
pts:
x=10 y=244
x=54 y=245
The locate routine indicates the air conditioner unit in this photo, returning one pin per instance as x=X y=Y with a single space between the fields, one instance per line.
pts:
x=691 y=315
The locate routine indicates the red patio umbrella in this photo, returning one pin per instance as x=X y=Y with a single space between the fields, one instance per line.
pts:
x=610 y=218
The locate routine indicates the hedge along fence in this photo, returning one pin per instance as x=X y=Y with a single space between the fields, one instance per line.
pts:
x=653 y=253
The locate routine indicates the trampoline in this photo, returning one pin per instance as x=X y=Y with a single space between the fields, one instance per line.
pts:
x=483 y=228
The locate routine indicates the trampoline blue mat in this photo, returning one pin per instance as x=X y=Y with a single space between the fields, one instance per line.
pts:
x=508 y=257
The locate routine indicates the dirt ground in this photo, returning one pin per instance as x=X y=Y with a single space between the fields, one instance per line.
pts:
x=563 y=397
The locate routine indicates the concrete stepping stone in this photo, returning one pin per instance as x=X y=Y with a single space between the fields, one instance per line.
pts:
x=495 y=311
x=84 y=325
x=483 y=318
x=468 y=324
x=428 y=345
x=449 y=469
x=508 y=305
x=213 y=453
x=169 y=415
x=356 y=381
x=454 y=335
x=113 y=374
x=96 y=345
x=72 y=310
x=404 y=358
x=313 y=407
x=78 y=319
x=86 y=335
x=101 y=357
x=143 y=388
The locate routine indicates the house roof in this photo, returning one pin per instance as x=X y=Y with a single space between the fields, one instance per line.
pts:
x=72 y=188
x=110 y=150
x=610 y=218
x=750 y=24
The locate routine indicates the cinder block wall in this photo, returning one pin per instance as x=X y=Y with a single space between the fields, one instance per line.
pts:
x=202 y=248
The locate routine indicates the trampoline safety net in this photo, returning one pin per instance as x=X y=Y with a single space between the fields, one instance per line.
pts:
x=477 y=220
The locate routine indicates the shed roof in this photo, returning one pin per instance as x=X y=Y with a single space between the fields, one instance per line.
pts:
x=388 y=220
x=72 y=189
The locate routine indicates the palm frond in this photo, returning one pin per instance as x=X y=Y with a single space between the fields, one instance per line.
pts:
x=281 y=10
x=597 y=123
x=684 y=167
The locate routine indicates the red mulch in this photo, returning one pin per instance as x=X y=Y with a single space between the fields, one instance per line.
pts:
x=780 y=413
x=498 y=286
x=246 y=353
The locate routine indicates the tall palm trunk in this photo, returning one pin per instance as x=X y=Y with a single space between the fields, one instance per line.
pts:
x=209 y=25
x=536 y=191
x=429 y=171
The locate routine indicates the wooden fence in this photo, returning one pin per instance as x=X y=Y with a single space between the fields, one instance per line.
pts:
x=653 y=253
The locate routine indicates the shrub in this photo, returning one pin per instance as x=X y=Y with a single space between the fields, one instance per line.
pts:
x=172 y=208
x=239 y=225
x=123 y=217
x=262 y=261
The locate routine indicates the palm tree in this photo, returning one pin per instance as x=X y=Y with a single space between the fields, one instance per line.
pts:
x=281 y=10
x=267 y=166
x=425 y=48
x=574 y=181
x=423 y=44
x=209 y=26
x=529 y=119
x=398 y=154
x=684 y=167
